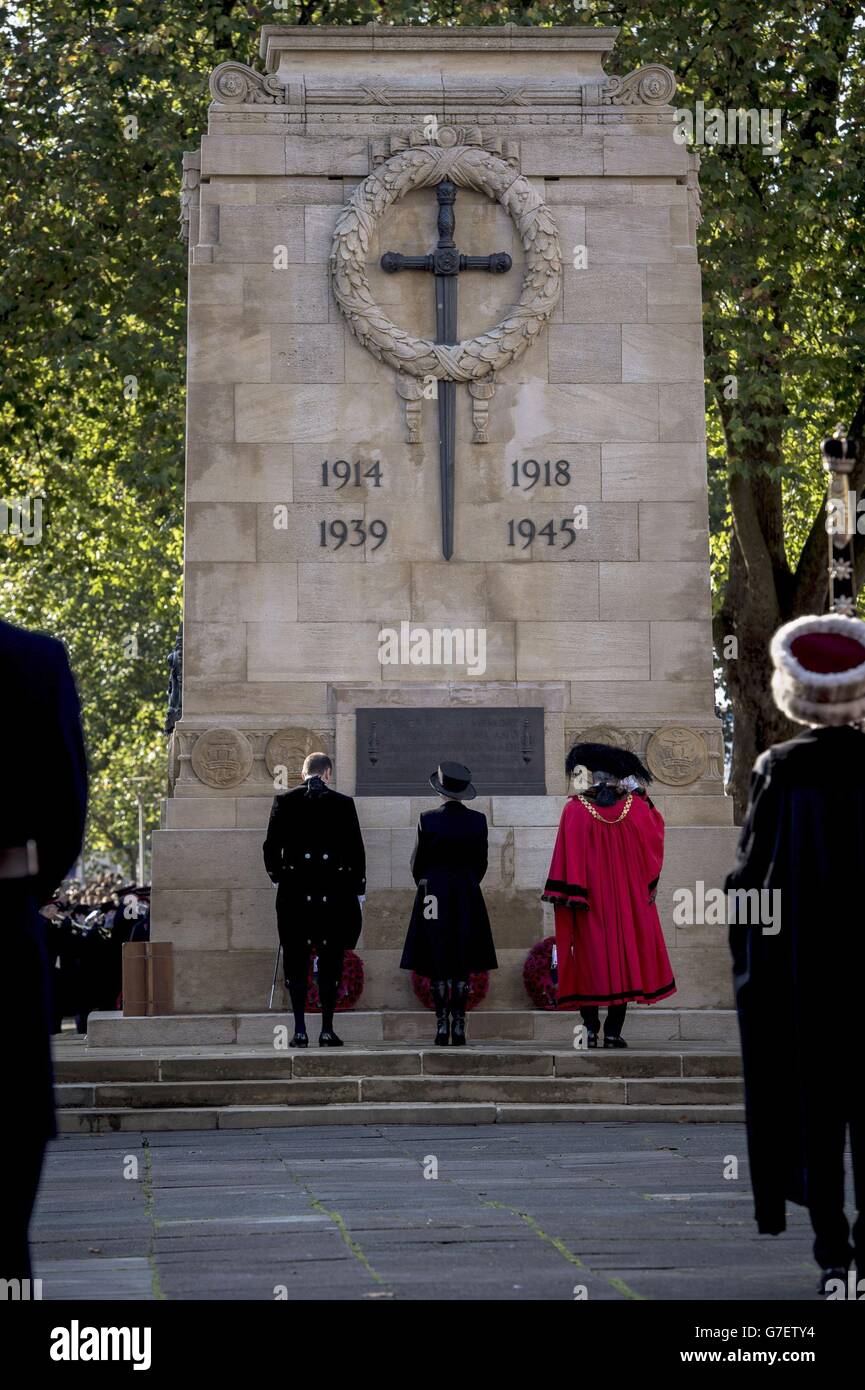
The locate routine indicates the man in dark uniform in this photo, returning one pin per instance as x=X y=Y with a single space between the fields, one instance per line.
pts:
x=314 y=852
x=41 y=829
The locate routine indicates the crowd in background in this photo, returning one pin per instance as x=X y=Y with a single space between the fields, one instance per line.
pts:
x=88 y=924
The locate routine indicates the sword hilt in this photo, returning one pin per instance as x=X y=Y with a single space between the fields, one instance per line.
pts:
x=446 y=192
x=496 y=264
x=392 y=261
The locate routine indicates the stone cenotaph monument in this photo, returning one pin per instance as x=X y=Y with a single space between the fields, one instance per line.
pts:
x=446 y=479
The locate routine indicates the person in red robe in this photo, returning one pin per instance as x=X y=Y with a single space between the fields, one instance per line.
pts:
x=602 y=881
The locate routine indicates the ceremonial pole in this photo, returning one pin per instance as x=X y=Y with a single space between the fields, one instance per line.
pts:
x=839 y=457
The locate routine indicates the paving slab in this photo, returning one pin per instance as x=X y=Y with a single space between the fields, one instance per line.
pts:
x=513 y=1213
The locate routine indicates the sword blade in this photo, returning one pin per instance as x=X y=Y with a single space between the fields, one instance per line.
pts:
x=446 y=323
x=447 y=443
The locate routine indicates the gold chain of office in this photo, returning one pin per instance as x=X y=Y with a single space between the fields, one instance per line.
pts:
x=597 y=815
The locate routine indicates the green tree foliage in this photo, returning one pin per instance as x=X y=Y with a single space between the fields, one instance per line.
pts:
x=100 y=101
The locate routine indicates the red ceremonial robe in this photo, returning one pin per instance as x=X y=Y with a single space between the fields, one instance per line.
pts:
x=603 y=878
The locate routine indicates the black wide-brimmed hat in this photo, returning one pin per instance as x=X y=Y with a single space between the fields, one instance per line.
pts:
x=453 y=780
x=605 y=757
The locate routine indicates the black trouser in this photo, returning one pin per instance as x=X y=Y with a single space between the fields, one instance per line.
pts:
x=295 y=956
x=613 y=1023
x=22 y=1167
x=832 y=1248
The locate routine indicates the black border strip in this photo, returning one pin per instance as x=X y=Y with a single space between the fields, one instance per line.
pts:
x=621 y=998
x=558 y=885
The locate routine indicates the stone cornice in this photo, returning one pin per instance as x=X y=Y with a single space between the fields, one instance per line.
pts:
x=235 y=85
x=277 y=39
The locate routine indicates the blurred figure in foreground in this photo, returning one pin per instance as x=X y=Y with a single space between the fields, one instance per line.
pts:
x=42 y=812
x=797 y=975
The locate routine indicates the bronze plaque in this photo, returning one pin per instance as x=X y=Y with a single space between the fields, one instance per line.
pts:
x=397 y=749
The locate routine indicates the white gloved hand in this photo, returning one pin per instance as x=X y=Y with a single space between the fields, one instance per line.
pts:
x=361 y=900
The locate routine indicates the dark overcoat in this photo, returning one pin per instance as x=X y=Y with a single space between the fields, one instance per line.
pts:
x=797 y=989
x=449 y=934
x=314 y=851
x=45 y=775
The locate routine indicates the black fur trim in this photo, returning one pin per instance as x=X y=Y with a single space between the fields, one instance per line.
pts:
x=604 y=757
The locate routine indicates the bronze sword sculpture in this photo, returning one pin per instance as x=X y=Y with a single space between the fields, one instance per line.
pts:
x=445 y=263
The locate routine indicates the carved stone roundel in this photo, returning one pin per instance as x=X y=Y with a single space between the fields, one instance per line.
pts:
x=222 y=758
x=288 y=748
x=677 y=756
x=469 y=167
x=605 y=733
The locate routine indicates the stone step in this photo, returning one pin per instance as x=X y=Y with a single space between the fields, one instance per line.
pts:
x=90 y=1121
x=99 y=1066
x=644 y=1024
x=332 y=1090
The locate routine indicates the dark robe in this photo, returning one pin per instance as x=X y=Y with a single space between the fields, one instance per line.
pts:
x=797 y=990
x=45 y=800
x=448 y=865
x=314 y=851
x=45 y=774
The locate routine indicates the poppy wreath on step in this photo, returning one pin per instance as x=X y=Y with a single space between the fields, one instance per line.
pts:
x=538 y=975
x=350 y=986
x=478 y=988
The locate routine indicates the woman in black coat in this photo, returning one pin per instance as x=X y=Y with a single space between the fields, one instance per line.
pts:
x=449 y=933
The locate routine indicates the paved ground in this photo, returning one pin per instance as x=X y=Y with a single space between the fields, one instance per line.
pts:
x=516 y=1212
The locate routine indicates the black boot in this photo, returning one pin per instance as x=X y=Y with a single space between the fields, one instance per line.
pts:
x=459 y=1000
x=297 y=995
x=327 y=992
x=441 y=1000
x=832 y=1276
x=613 y=1025
x=591 y=1023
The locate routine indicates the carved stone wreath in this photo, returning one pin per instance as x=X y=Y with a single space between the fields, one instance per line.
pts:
x=468 y=167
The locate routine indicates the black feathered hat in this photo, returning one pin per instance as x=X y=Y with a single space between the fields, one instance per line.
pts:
x=605 y=757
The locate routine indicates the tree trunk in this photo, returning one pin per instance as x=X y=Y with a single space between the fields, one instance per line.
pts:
x=756 y=597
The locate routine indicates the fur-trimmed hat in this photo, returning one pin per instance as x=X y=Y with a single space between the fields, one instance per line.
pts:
x=605 y=757
x=819 y=675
